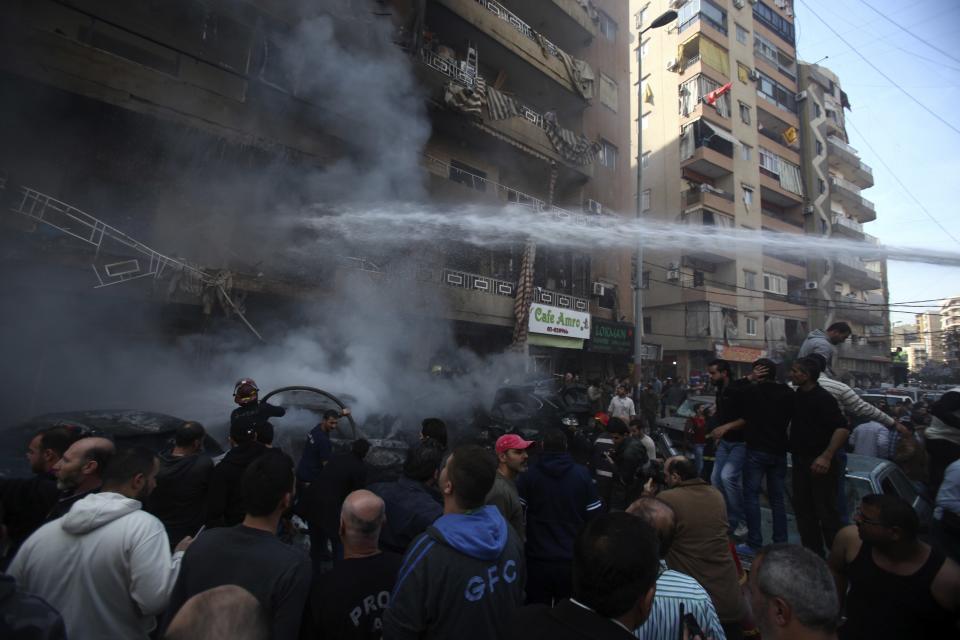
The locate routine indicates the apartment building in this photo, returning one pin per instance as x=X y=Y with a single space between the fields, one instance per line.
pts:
x=160 y=128
x=930 y=333
x=950 y=327
x=848 y=287
x=721 y=149
x=903 y=335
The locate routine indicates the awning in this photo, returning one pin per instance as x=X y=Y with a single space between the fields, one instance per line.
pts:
x=559 y=342
x=720 y=133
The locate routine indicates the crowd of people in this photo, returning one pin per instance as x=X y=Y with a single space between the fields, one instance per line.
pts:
x=524 y=541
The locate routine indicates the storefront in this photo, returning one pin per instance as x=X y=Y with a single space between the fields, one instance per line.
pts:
x=741 y=359
x=556 y=338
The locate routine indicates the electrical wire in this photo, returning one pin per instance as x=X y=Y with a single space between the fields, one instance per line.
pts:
x=877 y=69
x=907 y=31
x=902 y=185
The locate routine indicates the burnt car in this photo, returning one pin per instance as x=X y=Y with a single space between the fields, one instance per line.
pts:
x=125 y=427
x=531 y=408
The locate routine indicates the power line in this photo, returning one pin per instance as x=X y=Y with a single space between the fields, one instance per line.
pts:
x=907 y=31
x=902 y=185
x=877 y=69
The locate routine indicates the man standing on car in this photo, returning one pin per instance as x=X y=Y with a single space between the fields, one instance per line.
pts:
x=825 y=344
x=817 y=431
x=731 y=450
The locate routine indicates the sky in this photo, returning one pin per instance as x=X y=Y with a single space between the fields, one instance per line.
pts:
x=894 y=135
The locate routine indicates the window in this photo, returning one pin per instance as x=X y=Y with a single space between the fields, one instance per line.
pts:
x=645 y=205
x=751 y=326
x=819 y=147
x=749 y=280
x=645 y=121
x=694 y=10
x=608 y=27
x=776 y=93
x=608 y=155
x=747 y=195
x=645 y=48
x=773 y=283
x=773 y=20
x=746 y=151
x=745 y=113
x=816 y=110
x=645 y=159
x=742 y=35
x=821 y=185
x=647 y=324
x=467 y=175
x=609 y=92
x=743 y=73
x=646 y=280
x=642 y=16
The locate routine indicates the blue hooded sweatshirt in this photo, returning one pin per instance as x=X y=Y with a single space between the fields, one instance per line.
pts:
x=560 y=497
x=461 y=579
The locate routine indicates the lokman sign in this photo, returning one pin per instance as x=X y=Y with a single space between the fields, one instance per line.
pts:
x=555 y=321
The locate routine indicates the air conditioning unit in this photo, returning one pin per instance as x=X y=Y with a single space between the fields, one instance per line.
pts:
x=754 y=74
x=673 y=273
x=810 y=285
x=800 y=96
x=599 y=289
x=808 y=209
x=592 y=206
x=738 y=4
x=672 y=64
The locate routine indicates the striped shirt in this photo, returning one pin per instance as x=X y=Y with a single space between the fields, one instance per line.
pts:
x=852 y=404
x=673 y=589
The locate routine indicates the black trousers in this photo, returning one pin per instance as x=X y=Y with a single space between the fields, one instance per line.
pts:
x=815 y=504
x=940 y=454
x=548 y=581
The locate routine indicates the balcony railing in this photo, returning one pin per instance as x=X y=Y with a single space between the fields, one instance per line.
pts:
x=476 y=282
x=462 y=73
x=511 y=18
x=698 y=196
x=557 y=299
x=849 y=223
x=852 y=188
x=858 y=264
x=783 y=171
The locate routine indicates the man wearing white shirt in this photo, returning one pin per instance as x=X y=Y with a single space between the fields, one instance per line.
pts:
x=621 y=406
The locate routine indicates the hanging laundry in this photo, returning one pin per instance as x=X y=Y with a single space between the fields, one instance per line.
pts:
x=790 y=135
x=648 y=93
x=500 y=106
x=580 y=73
x=462 y=99
x=575 y=149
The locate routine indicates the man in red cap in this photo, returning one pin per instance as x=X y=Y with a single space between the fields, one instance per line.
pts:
x=512 y=455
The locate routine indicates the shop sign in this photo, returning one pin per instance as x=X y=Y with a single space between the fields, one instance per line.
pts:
x=650 y=352
x=611 y=337
x=739 y=354
x=555 y=321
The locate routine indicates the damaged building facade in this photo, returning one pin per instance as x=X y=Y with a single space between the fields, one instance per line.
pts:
x=151 y=147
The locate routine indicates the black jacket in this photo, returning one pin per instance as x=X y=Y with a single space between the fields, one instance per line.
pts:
x=816 y=416
x=26 y=503
x=461 y=579
x=65 y=502
x=730 y=398
x=324 y=498
x=767 y=408
x=27 y=617
x=180 y=499
x=566 y=621
x=224 y=503
x=559 y=496
x=257 y=415
x=411 y=508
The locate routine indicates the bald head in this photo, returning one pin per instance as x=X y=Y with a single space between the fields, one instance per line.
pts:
x=81 y=467
x=660 y=516
x=222 y=613
x=361 y=517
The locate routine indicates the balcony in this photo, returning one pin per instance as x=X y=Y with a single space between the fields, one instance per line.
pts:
x=565 y=21
x=844 y=159
x=863 y=351
x=777 y=25
x=527 y=131
x=848 y=195
x=845 y=226
x=472 y=297
x=559 y=299
x=702 y=13
x=692 y=105
x=780 y=222
x=711 y=198
x=854 y=271
x=776 y=129
x=701 y=55
x=780 y=180
x=706 y=150
x=702 y=248
x=503 y=38
x=858 y=311
x=773 y=264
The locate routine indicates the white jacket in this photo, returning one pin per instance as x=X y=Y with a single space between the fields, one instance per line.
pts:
x=105 y=566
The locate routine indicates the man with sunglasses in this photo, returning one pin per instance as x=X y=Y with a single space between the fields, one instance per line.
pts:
x=899 y=586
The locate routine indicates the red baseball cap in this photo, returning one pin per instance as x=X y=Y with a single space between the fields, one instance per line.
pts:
x=512 y=441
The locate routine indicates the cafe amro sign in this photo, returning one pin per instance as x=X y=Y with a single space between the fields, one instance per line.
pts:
x=555 y=321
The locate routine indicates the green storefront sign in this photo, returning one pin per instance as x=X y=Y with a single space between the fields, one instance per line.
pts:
x=611 y=337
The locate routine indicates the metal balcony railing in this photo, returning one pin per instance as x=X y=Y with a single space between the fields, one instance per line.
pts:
x=476 y=282
x=511 y=18
x=564 y=300
x=852 y=188
x=849 y=223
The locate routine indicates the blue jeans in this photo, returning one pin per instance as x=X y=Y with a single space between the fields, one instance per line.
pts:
x=727 y=469
x=760 y=464
x=698 y=457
